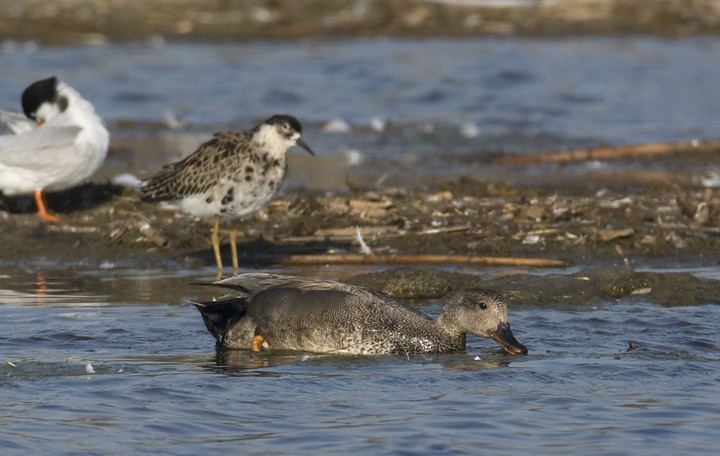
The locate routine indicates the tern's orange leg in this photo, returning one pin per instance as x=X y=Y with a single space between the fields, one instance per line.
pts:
x=42 y=208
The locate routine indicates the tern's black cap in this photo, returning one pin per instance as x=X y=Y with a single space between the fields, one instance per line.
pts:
x=38 y=93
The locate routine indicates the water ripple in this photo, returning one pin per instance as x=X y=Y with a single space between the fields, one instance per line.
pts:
x=157 y=384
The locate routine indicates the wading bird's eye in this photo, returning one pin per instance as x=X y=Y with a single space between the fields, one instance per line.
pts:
x=483 y=305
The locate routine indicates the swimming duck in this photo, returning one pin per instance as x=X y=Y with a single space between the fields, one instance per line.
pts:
x=279 y=312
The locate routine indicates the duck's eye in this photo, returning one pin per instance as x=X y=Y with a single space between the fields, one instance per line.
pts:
x=483 y=306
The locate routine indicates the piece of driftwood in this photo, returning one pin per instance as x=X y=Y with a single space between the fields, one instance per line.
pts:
x=350 y=232
x=445 y=230
x=72 y=229
x=153 y=235
x=688 y=228
x=613 y=152
x=611 y=235
x=307 y=260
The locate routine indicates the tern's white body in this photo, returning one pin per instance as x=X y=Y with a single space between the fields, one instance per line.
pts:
x=64 y=151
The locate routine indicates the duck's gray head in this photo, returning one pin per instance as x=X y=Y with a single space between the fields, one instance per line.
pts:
x=483 y=313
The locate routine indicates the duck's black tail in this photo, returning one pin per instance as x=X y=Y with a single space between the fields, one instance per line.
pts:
x=221 y=316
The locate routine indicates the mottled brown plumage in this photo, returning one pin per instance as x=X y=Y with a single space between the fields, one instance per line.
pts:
x=231 y=175
x=228 y=160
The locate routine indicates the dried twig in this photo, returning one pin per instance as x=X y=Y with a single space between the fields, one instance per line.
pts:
x=350 y=232
x=688 y=228
x=305 y=260
x=72 y=229
x=117 y=233
x=364 y=248
x=447 y=229
x=614 y=152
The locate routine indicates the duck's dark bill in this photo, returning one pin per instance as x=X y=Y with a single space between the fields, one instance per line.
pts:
x=507 y=340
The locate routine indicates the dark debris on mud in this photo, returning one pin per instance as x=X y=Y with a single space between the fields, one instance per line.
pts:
x=612 y=233
x=463 y=217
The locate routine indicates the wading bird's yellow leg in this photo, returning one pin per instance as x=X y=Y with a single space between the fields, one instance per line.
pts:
x=42 y=209
x=233 y=250
x=215 y=238
x=257 y=343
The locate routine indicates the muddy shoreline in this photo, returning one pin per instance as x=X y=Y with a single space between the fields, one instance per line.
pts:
x=651 y=225
x=607 y=235
x=591 y=225
x=643 y=225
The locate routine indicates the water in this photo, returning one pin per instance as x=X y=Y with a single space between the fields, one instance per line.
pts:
x=411 y=105
x=611 y=90
x=159 y=387
x=446 y=106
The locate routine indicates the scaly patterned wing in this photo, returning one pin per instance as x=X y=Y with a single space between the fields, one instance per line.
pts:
x=252 y=283
x=199 y=171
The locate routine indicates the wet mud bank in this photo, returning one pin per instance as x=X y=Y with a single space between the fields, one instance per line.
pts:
x=602 y=237
x=585 y=288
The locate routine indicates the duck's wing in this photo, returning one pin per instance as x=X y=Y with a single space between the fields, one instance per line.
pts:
x=17 y=123
x=261 y=289
x=245 y=285
x=43 y=147
x=312 y=290
x=253 y=283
